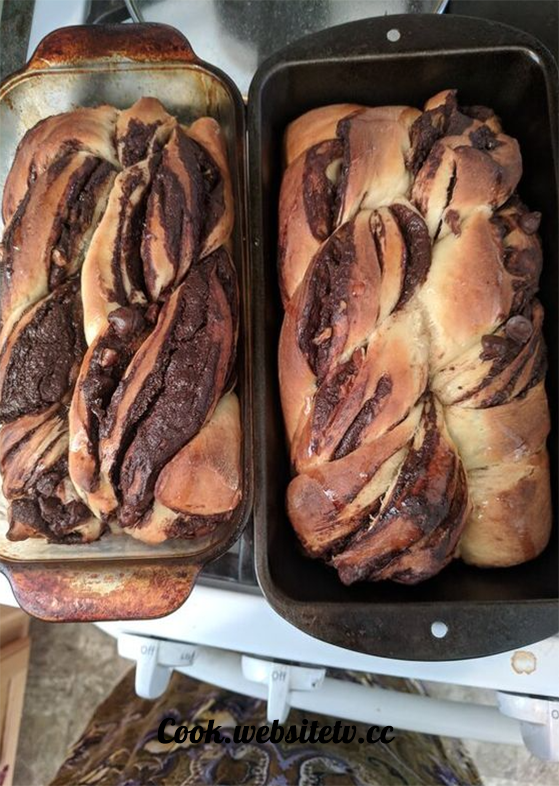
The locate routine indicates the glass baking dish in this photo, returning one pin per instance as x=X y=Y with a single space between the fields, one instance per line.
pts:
x=117 y=576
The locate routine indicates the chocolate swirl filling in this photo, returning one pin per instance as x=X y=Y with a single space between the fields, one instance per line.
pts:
x=423 y=514
x=80 y=206
x=448 y=119
x=326 y=300
x=319 y=187
x=45 y=356
x=110 y=358
x=186 y=378
x=418 y=250
x=48 y=516
x=368 y=412
x=185 y=204
x=136 y=144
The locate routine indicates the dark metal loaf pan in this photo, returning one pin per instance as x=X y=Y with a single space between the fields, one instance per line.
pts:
x=486 y=611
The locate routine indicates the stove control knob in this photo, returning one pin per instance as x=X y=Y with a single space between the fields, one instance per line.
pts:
x=155 y=661
x=282 y=679
x=539 y=722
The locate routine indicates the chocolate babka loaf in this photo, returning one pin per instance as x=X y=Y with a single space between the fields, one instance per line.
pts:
x=119 y=309
x=411 y=356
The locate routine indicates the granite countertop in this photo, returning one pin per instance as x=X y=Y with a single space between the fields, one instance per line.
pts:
x=15 y=25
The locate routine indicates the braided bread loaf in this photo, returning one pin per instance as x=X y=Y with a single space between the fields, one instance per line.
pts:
x=120 y=313
x=411 y=357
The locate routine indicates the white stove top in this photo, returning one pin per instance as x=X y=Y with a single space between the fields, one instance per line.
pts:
x=235 y=640
x=245 y=623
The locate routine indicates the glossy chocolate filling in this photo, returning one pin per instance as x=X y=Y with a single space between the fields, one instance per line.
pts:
x=126 y=251
x=43 y=511
x=68 y=146
x=45 y=358
x=227 y=277
x=429 y=127
x=213 y=202
x=538 y=358
x=10 y=240
x=483 y=138
x=81 y=202
x=425 y=507
x=187 y=217
x=49 y=517
x=502 y=350
x=110 y=359
x=432 y=553
x=326 y=299
x=454 y=217
x=368 y=412
x=197 y=526
x=331 y=394
x=177 y=396
x=135 y=144
x=343 y=130
x=418 y=250
x=448 y=120
x=179 y=216
x=319 y=192
x=415 y=498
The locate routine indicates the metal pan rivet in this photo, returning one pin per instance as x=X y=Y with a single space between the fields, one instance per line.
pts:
x=393 y=35
x=439 y=630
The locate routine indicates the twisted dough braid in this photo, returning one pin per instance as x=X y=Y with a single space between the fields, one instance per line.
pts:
x=411 y=356
x=120 y=319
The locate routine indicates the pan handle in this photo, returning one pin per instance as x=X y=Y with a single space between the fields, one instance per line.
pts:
x=153 y=43
x=116 y=590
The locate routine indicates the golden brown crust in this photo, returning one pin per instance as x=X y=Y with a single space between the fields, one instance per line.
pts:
x=43 y=501
x=83 y=461
x=37 y=252
x=89 y=129
x=297 y=382
x=506 y=433
x=341 y=340
x=421 y=516
x=459 y=178
x=362 y=166
x=171 y=387
x=377 y=142
x=313 y=127
x=199 y=488
x=189 y=212
x=161 y=317
x=340 y=493
x=417 y=322
x=511 y=513
x=204 y=477
x=30 y=446
x=468 y=292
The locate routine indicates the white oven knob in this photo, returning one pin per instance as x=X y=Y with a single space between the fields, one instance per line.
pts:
x=281 y=679
x=539 y=722
x=155 y=661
